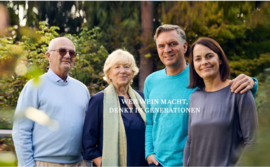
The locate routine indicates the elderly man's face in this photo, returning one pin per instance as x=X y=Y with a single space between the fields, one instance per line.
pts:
x=170 y=49
x=61 y=64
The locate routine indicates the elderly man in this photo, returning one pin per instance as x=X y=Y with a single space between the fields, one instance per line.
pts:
x=167 y=98
x=62 y=98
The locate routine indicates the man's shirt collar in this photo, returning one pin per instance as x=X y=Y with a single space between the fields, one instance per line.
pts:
x=55 y=77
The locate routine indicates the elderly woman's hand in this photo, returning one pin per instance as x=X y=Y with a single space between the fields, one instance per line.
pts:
x=97 y=161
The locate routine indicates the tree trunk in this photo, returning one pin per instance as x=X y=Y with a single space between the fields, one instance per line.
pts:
x=146 y=63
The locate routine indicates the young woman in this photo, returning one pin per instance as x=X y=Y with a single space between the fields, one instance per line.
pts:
x=226 y=122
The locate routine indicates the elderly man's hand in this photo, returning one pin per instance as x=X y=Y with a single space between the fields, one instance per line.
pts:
x=151 y=159
x=242 y=81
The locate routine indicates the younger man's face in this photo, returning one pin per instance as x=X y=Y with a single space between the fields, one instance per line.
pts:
x=170 y=49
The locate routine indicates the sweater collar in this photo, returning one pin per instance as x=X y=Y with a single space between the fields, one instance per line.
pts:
x=177 y=75
x=55 y=77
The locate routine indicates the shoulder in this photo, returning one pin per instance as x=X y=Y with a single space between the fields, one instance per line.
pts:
x=140 y=93
x=36 y=83
x=98 y=97
x=237 y=96
x=154 y=76
x=96 y=101
x=73 y=80
x=95 y=105
x=197 y=91
x=78 y=83
x=33 y=87
x=245 y=96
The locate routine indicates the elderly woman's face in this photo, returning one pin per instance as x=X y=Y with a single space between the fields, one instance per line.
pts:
x=120 y=74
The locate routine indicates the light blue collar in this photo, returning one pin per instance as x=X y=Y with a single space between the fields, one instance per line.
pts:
x=55 y=77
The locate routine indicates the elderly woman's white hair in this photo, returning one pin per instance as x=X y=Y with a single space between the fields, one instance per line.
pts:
x=119 y=56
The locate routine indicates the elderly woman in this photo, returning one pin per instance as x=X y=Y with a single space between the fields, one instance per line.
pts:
x=114 y=127
x=224 y=122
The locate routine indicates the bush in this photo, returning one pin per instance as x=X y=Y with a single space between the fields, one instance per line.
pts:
x=250 y=67
x=25 y=59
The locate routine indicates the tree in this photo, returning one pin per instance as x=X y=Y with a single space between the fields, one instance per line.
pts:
x=67 y=15
x=234 y=25
x=146 y=60
x=119 y=21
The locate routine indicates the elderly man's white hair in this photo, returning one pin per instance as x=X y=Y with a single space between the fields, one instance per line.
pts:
x=52 y=43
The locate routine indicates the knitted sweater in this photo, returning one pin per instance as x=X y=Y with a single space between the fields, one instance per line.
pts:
x=166 y=99
x=65 y=104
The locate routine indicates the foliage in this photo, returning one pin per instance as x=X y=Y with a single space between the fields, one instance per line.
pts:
x=259 y=156
x=70 y=16
x=10 y=55
x=7 y=152
x=119 y=21
x=31 y=61
x=6 y=144
x=91 y=57
x=6 y=118
x=241 y=28
x=250 y=67
x=67 y=15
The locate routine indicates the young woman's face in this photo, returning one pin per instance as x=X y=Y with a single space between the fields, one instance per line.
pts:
x=206 y=62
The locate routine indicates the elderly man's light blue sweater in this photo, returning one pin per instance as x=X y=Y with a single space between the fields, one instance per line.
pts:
x=63 y=102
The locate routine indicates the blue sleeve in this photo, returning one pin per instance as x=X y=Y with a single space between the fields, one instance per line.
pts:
x=23 y=127
x=92 y=125
x=255 y=87
x=149 y=148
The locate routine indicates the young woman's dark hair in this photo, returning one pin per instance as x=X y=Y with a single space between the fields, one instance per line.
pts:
x=194 y=79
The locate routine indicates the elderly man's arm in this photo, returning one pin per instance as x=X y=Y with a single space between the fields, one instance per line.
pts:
x=22 y=126
x=242 y=83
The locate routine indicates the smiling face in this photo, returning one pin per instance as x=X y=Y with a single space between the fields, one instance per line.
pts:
x=206 y=62
x=120 y=75
x=170 y=49
x=60 y=65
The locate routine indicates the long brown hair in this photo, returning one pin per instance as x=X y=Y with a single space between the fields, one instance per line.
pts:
x=194 y=79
